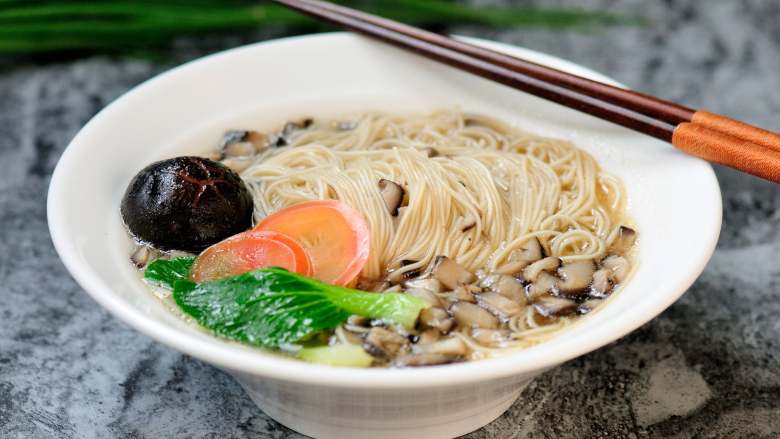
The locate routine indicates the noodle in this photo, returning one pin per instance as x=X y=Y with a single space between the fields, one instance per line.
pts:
x=515 y=184
x=512 y=185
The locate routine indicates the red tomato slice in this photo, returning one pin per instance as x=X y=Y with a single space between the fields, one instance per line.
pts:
x=335 y=236
x=249 y=251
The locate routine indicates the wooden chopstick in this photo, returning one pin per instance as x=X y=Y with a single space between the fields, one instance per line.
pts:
x=645 y=104
x=712 y=137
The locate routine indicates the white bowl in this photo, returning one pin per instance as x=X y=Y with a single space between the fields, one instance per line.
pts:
x=674 y=199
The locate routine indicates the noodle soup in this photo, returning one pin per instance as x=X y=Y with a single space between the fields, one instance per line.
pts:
x=472 y=237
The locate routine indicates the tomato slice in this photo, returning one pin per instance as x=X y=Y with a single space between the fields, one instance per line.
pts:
x=335 y=236
x=249 y=251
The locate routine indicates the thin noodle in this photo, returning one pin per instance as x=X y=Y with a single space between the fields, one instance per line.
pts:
x=513 y=184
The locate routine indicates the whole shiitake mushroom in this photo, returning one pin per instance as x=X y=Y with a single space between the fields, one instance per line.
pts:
x=186 y=203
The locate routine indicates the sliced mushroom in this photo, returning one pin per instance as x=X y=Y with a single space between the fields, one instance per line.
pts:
x=382 y=342
x=392 y=194
x=365 y=284
x=425 y=288
x=499 y=304
x=549 y=306
x=427 y=295
x=393 y=289
x=450 y=273
x=532 y=251
x=242 y=143
x=430 y=152
x=519 y=259
x=292 y=126
x=438 y=318
x=618 y=267
x=468 y=222
x=588 y=306
x=576 y=276
x=505 y=285
x=143 y=255
x=414 y=360
x=469 y=315
x=464 y=293
x=625 y=240
x=447 y=346
x=549 y=264
x=428 y=336
x=490 y=337
x=601 y=283
x=356 y=320
x=545 y=283
x=283 y=137
x=425 y=283
x=352 y=337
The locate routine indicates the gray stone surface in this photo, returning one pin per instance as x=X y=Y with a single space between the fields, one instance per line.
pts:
x=708 y=367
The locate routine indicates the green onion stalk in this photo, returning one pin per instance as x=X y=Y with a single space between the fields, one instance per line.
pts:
x=30 y=27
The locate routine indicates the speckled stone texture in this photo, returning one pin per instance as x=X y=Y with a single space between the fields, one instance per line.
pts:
x=708 y=367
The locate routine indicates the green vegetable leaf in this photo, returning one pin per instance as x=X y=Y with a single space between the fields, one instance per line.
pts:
x=272 y=307
x=165 y=272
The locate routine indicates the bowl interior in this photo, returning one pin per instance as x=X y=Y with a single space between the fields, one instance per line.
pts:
x=674 y=199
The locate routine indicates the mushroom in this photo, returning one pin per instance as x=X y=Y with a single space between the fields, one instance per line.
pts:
x=499 y=304
x=624 y=241
x=601 y=283
x=618 y=267
x=490 y=337
x=142 y=255
x=438 y=318
x=393 y=289
x=351 y=337
x=186 y=203
x=548 y=264
x=505 y=285
x=293 y=126
x=427 y=295
x=382 y=342
x=469 y=315
x=545 y=283
x=283 y=137
x=425 y=283
x=450 y=273
x=392 y=194
x=468 y=221
x=414 y=360
x=430 y=152
x=588 y=306
x=464 y=293
x=242 y=143
x=531 y=252
x=366 y=284
x=450 y=346
x=576 y=276
x=428 y=336
x=356 y=320
x=549 y=306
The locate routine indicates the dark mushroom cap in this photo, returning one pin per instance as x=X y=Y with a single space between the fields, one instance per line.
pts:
x=186 y=203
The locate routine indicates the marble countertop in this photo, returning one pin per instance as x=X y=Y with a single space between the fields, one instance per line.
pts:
x=707 y=367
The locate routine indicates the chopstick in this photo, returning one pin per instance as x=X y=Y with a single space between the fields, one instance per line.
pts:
x=700 y=133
